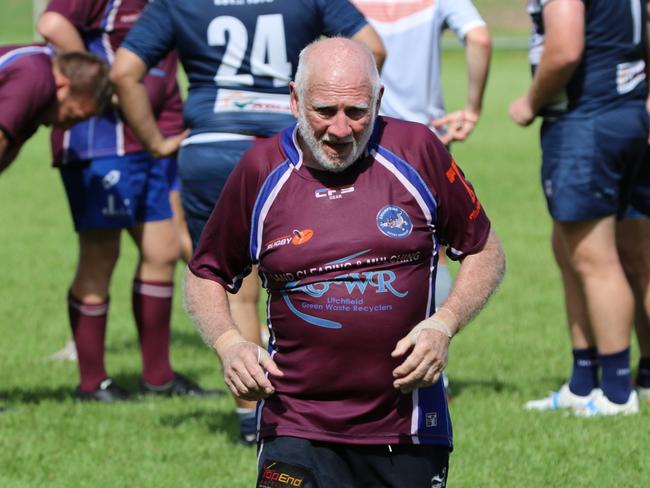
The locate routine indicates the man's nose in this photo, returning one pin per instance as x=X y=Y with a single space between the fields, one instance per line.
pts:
x=340 y=126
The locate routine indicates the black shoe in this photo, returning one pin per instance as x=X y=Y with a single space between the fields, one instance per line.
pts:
x=248 y=431
x=108 y=392
x=180 y=385
x=248 y=439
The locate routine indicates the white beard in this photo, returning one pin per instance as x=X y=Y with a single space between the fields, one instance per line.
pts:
x=328 y=163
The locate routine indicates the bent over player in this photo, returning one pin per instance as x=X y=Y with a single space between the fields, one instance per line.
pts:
x=345 y=213
x=112 y=183
x=38 y=87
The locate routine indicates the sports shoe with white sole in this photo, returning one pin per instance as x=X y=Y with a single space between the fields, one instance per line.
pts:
x=67 y=353
x=563 y=398
x=644 y=393
x=600 y=405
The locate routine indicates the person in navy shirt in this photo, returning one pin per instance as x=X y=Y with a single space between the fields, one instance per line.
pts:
x=239 y=58
x=39 y=88
x=590 y=87
x=344 y=213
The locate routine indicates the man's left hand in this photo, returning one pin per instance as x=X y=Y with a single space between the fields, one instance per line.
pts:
x=425 y=363
x=521 y=112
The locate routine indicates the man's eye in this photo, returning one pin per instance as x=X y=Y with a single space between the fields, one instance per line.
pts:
x=325 y=111
x=356 y=113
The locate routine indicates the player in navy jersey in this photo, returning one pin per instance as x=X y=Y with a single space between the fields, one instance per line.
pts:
x=39 y=88
x=590 y=86
x=344 y=213
x=239 y=58
x=112 y=183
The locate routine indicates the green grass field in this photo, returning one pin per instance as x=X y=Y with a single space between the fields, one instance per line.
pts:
x=516 y=350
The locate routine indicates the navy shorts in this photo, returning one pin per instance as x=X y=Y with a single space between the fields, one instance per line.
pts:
x=203 y=170
x=289 y=462
x=640 y=193
x=117 y=192
x=589 y=167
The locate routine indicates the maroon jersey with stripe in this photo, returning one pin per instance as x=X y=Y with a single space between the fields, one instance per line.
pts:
x=27 y=90
x=349 y=261
x=103 y=26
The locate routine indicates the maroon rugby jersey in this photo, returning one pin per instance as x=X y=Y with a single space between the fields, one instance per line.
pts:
x=27 y=90
x=103 y=26
x=349 y=261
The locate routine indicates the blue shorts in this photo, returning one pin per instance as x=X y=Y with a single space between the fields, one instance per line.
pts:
x=171 y=170
x=203 y=170
x=290 y=461
x=589 y=165
x=117 y=192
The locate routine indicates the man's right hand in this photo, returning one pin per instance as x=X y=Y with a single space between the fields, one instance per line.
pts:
x=243 y=367
x=168 y=146
x=459 y=125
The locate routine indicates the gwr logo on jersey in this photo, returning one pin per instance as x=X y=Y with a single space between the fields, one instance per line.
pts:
x=297 y=238
x=333 y=193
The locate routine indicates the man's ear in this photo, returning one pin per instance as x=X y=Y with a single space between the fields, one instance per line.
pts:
x=381 y=94
x=62 y=84
x=293 y=96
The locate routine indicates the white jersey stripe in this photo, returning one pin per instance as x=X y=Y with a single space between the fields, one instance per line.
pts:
x=407 y=184
x=215 y=137
x=415 y=416
x=265 y=209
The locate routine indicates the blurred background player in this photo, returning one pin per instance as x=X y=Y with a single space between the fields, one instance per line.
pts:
x=590 y=86
x=239 y=60
x=633 y=236
x=112 y=183
x=411 y=77
x=38 y=88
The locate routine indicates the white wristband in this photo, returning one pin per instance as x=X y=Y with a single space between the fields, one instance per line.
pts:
x=433 y=324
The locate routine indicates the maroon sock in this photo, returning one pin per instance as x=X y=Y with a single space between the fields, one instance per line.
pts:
x=88 y=323
x=152 y=307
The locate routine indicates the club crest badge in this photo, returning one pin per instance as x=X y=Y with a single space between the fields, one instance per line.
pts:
x=394 y=222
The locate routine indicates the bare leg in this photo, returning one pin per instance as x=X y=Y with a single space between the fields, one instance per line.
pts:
x=98 y=253
x=159 y=249
x=181 y=226
x=634 y=247
x=574 y=298
x=593 y=254
x=592 y=250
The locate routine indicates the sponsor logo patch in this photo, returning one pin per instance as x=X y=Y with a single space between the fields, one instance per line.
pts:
x=111 y=179
x=276 y=474
x=431 y=419
x=248 y=101
x=333 y=193
x=296 y=238
x=393 y=221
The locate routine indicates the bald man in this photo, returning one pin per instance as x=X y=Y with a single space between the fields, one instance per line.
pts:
x=344 y=213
